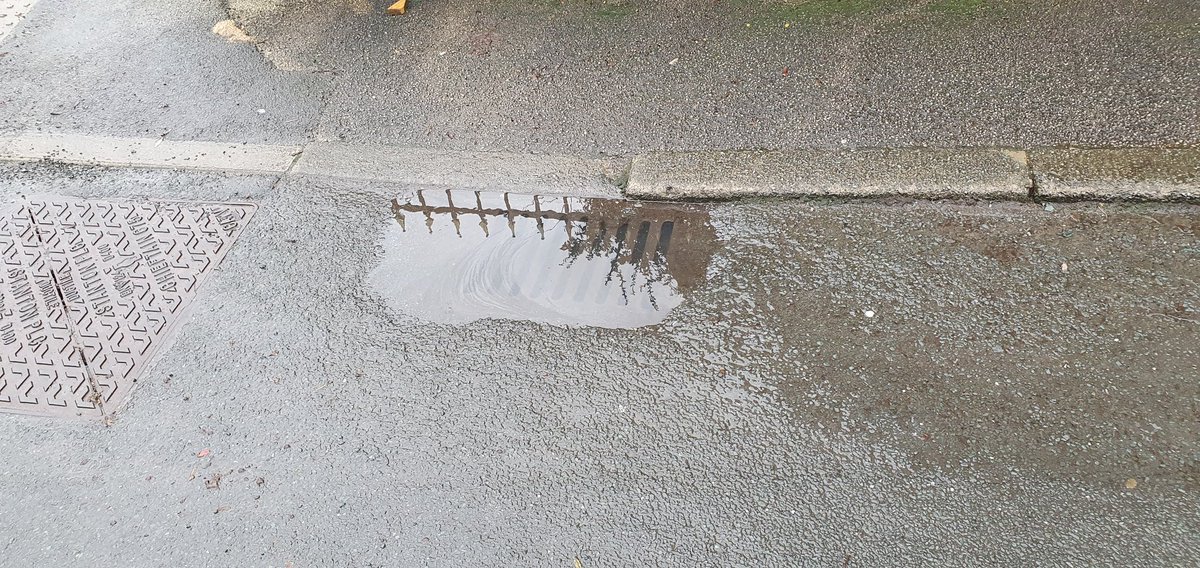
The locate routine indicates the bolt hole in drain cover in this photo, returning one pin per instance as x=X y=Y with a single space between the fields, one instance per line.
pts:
x=459 y=256
x=91 y=290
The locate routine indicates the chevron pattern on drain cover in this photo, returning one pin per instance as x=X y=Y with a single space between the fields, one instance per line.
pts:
x=91 y=290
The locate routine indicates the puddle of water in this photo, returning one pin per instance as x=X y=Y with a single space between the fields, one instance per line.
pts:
x=458 y=256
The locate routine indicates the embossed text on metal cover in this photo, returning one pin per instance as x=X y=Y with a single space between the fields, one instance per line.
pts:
x=90 y=290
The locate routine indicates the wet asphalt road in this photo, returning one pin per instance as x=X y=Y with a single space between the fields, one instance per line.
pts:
x=1023 y=391
x=992 y=411
x=618 y=77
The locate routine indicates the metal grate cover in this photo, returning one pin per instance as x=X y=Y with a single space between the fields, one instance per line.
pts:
x=91 y=290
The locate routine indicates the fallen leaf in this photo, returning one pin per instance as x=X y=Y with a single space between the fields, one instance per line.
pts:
x=1131 y=483
x=578 y=564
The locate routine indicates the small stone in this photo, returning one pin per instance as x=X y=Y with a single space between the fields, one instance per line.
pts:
x=869 y=313
x=229 y=30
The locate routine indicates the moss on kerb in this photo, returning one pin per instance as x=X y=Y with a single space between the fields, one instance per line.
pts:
x=813 y=9
x=775 y=14
x=614 y=11
x=600 y=9
x=781 y=10
x=956 y=7
x=772 y=14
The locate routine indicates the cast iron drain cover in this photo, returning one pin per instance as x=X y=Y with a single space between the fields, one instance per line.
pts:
x=91 y=290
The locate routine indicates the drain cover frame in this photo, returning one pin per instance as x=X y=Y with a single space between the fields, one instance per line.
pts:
x=92 y=290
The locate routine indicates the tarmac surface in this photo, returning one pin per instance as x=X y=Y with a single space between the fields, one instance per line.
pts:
x=591 y=78
x=850 y=383
x=835 y=382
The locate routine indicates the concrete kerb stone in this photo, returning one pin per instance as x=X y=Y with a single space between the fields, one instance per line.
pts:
x=1135 y=174
x=524 y=173
x=874 y=172
x=148 y=153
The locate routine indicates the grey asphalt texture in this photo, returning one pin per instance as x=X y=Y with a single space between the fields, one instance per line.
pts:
x=590 y=78
x=622 y=77
x=1021 y=366
x=990 y=412
x=146 y=69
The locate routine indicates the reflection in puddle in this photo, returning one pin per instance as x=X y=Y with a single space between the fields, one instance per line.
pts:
x=458 y=256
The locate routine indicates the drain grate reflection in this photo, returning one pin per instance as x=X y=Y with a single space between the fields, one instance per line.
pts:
x=459 y=256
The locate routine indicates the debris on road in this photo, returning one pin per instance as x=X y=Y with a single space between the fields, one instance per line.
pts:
x=214 y=481
x=229 y=30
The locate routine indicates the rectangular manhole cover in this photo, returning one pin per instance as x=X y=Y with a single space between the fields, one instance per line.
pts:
x=91 y=290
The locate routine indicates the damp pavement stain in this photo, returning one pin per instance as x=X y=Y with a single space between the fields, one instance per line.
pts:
x=987 y=342
x=460 y=256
